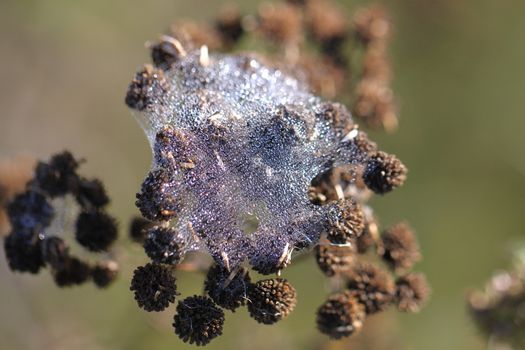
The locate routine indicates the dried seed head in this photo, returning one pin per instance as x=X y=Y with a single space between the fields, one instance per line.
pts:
x=154 y=286
x=229 y=26
x=166 y=52
x=375 y=104
x=73 y=272
x=333 y=259
x=399 y=247
x=30 y=210
x=171 y=149
x=91 y=193
x=104 y=273
x=370 y=236
x=340 y=316
x=198 y=320
x=371 y=24
x=59 y=176
x=22 y=250
x=95 y=230
x=157 y=200
x=271 y=300
x=372 y=286
x=147 y=87
x=280 y=22
x=346 y=223
x=55 y=252
x=138 y=229
x=328 y=26
x=227 y=289
x=163 y=245
x=412 y=292
x=384 y=172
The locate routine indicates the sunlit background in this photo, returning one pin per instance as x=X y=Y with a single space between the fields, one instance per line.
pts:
x=65 y=67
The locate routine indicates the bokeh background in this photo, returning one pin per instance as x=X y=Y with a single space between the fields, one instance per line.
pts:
x=65 y=67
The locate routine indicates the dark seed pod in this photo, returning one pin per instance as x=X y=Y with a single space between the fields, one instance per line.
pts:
x=163 y=245
x=399 y=247
x=138 y=229
x=157 y=200
x=95 y=230
x=165 y=53
x=154 y=286
x=22 y=250
x=372 y=286
x=271 y=300
x=340 y=316
x=147 y=87
x=104 y=273
x=73 y=272
x=171 y=150
x=346 y=222
x=30 y=210
x=55 y=252
x=412 y=292
x=91 y=193
x=227 y=289
x=333 y=259
x=198 y=320
x=229 y=27
x=384 y=172
x=59 y=176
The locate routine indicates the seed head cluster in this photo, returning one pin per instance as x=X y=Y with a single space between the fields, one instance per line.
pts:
x=57 y=200
x=253 y=166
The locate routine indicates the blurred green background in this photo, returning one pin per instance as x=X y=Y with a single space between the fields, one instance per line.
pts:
x=460 y=80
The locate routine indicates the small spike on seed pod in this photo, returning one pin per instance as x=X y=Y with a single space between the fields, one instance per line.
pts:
x=399 y=247
x=384 y=172
x=412 y=292
x=372 y=286
x=346 y=222
x=22 y=250
x=166 y=52
x=146 y=88
x=198 y=320
x=154 y=286
x=271 y=300
x=138 y=229
x=163 y=245
x=333 y=259
x=104 y=273
x=73 y=272
x=95 y=230
x=340 y=316
x=227 y=289
x=157 y=199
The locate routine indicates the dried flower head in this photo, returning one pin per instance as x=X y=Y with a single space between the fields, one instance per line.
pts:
x=372 y=286
x=58 y=176
x=154 y=286
x=227 y=289
x=271 y=300
x=399 y=247
x=30 y=209
x=333 y=259
x=163 y=245
x=22 y=250
x=198 y=320
x=341 y=315
x=95 y=230
x=138 y=229
x=157 y=200
x=412 y=292
x=73 y=272
x=146 y=88
x=104 y=273
x=347 y=223
x=384 y=172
